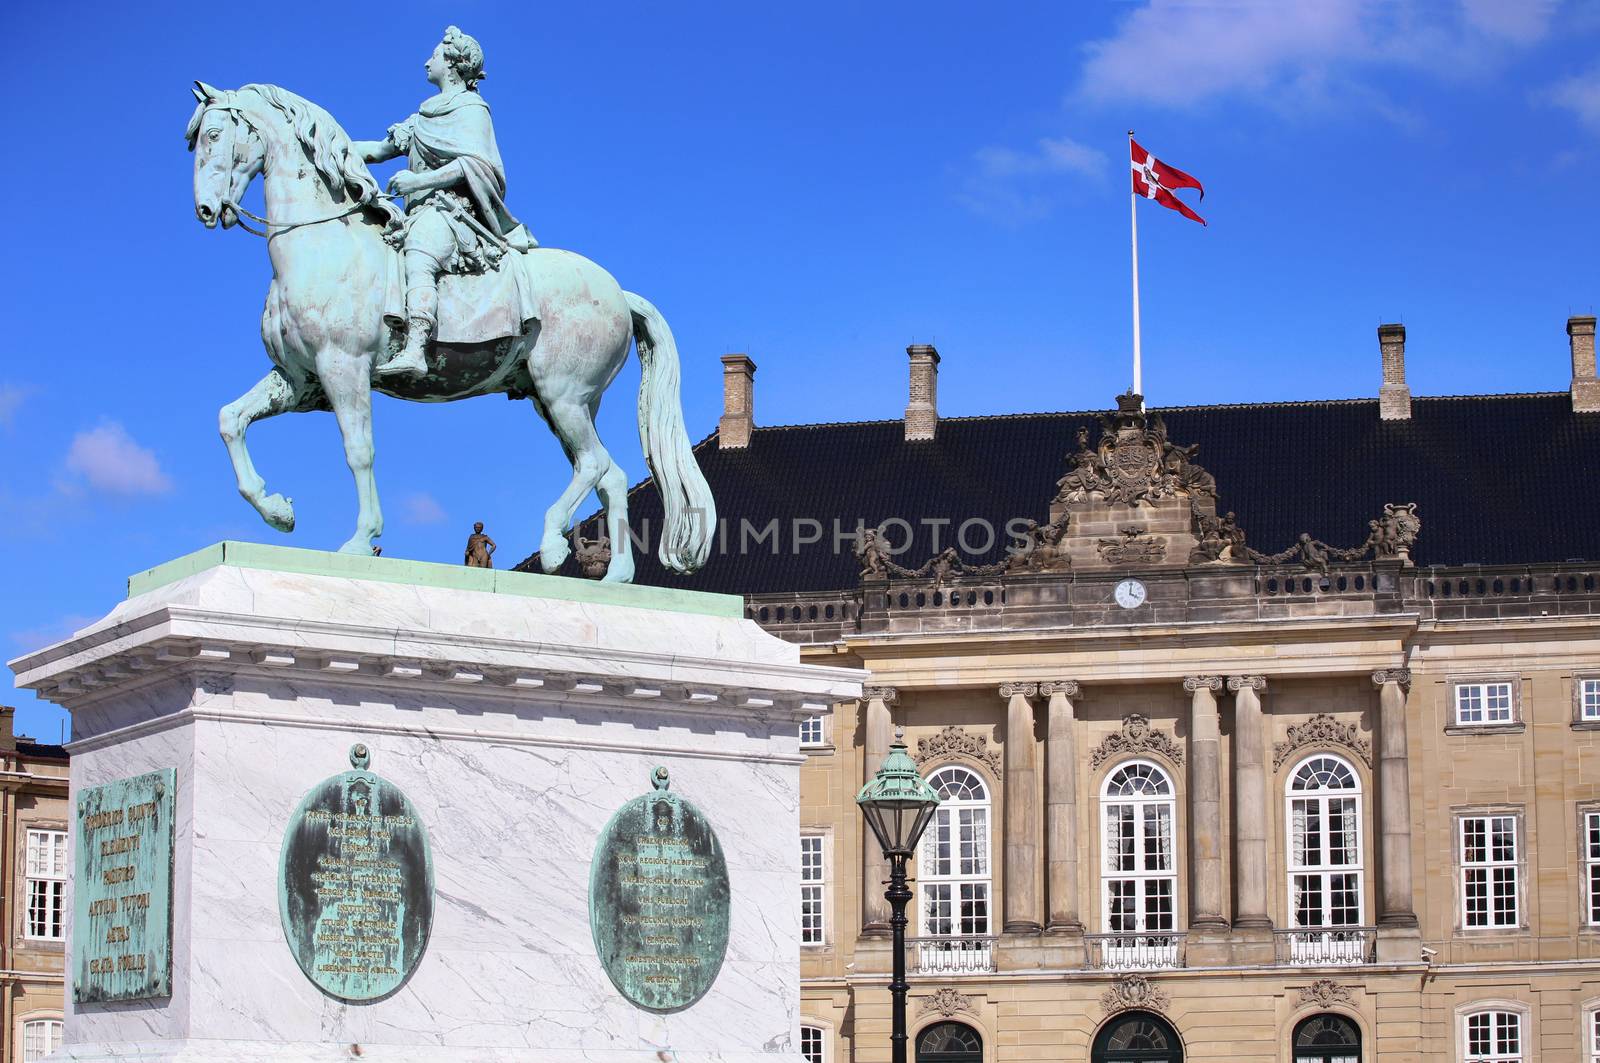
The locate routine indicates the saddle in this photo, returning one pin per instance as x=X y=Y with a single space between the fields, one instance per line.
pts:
x=473 y=307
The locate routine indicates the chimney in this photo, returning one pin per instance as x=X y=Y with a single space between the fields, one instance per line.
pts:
x=1585 y=388
x=1394 y=398
x=738 y=402
x=8 y=736
x=922 y=412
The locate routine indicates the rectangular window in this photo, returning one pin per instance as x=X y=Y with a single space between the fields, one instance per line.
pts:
x=1589 y=699
x=39 y=1038
x=1594 y=1036
x=1489 y=868
x=47 y=883
x=1494 y=1037
x=1483 y=704
x=813 y=886
x=811 y=733
x=1591 y=863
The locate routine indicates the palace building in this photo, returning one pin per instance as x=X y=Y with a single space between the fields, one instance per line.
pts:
x=1264 y=732
x=33 y=805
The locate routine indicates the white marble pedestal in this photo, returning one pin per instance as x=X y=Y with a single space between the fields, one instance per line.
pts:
x=518 y=712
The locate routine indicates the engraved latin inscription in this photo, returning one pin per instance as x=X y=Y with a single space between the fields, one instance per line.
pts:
x=122 y=933
x=356 y=888
x=658 y=901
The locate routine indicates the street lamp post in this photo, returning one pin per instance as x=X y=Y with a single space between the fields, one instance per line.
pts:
x=898 y=803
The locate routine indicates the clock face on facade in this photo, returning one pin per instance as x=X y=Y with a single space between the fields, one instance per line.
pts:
x=1130 y=594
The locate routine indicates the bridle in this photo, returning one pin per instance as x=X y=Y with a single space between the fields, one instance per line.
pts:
x=277 y=228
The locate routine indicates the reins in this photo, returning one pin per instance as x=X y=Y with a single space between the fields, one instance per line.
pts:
x=282 y=227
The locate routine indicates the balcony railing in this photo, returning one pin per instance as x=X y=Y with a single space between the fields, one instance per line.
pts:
x=1134 y=952
x=1326 y=946
x=963 y=954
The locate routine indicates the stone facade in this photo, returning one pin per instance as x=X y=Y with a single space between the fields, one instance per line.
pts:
x=1229 y=681
x=32 y=799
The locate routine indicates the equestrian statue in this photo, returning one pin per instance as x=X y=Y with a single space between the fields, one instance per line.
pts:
x=451 y=298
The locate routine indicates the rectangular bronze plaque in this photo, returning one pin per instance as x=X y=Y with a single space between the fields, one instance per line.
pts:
x=122 y=903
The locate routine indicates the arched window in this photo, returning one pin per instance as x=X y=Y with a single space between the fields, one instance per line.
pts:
x=1138 y=877
x=1326 y=871
x=954 y=879
x=949 y=1042
x=1327 y=1039
x=813 y=1046
x=1492 y=1036
x=1137 y=1037
x=40 y=1037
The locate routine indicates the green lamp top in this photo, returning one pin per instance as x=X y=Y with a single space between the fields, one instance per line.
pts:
x=898 y=781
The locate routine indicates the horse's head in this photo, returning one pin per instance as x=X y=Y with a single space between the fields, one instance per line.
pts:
x=228 y=153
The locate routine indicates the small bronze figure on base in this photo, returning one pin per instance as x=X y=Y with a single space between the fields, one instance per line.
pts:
x=480 y=548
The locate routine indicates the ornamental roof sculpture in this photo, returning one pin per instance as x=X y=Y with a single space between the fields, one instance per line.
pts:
x=1136 y=737
x=953 y=741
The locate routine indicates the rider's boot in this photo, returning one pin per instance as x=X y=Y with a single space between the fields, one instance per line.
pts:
x=412 y=361
x=422 y=302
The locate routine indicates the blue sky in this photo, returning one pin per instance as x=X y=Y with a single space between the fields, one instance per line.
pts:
x=818 y=185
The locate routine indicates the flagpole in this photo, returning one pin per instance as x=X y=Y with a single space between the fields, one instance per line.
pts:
x=1133 y=220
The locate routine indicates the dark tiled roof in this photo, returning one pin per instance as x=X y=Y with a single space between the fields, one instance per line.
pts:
x=40 y=749
x=1498 y=479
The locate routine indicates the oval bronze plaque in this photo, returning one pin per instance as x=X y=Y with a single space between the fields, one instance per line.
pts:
x=658 y=900
x=355 y=885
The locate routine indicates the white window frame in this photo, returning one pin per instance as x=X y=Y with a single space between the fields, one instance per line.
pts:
x=818 y=736
x=814 y=878
x=1586 y=699
x=1494 y=1014
x=1590 y=1034
x=822 y=1042
x=45 y=869
x=1492 y=701
x=1493 y=866
x=1152 y=943
x=1330 y=940
x=1589 y=856
x=48 y=1027
x=955 y=886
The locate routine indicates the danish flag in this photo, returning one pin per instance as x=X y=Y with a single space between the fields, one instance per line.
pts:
x=1156 y=180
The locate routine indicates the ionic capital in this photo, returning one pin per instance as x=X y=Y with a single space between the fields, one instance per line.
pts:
x=1012 y=690
x=1402 y=676
x=1069 y=687
x=887 y=695
x=1237 y=683
x=1212 y=683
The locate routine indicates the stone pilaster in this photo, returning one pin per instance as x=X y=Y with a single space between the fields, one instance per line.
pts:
x=1206 y=899
x=1250 y=805
x=879 y=732
x=1023 y=911
x=1061 y=808
x=1397 y=923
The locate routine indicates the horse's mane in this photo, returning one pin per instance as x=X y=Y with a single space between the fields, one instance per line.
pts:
x=326 y=144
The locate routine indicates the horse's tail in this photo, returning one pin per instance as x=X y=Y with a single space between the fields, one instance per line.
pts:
x=691 y=514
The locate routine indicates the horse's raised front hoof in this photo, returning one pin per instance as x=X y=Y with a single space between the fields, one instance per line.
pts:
x=619 y=571
x=278 y=512
x=552 y=552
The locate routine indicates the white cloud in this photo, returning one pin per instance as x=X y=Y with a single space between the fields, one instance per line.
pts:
x=1018 y=186
x=11 y=397
x=36 y=638
x=109 y=459
x=1580 y=95
x=419 y=507
x=1182 y=52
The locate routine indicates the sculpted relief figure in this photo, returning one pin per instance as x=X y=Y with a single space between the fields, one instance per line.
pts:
x=456 y=219
x=505 y=317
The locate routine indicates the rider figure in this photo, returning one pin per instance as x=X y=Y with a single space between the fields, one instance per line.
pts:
x=456 y=217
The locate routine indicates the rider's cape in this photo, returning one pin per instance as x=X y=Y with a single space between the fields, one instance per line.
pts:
x=496 y=303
